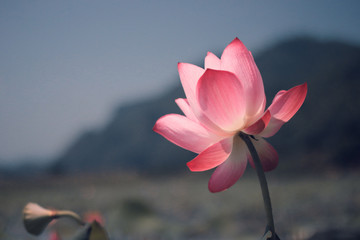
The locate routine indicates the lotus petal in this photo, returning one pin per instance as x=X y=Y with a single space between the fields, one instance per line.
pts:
x=212 y=61
x=185 y=133
x=232 y=169
x=211 y=157
x=259 y=125
x=284 y=107
x=269 y=158
x=238 y=60
x=220 y=96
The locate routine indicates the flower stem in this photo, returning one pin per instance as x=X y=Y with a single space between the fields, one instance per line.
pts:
x=70 y=214
x=263 y=182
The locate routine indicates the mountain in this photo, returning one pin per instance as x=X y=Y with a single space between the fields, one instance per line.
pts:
x=322 y=135
x=127 y=141
x=325 y=131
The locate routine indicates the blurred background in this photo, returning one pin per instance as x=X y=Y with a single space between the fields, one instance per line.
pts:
x=83 y=82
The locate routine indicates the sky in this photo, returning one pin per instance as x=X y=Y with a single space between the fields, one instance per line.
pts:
x=65 y=65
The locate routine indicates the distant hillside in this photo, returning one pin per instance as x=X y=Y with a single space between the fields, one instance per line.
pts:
x=325 y=131
x=323 y=134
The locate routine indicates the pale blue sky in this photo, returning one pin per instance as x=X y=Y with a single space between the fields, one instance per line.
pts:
x=64 y=65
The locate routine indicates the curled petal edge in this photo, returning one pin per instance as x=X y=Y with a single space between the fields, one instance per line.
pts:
x=284 y=107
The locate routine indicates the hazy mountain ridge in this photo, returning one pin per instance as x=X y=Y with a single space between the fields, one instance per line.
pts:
x=323 y=133
x=127 y=141
x=326 y=126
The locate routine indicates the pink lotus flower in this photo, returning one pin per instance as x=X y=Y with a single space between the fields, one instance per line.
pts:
x=223 y=100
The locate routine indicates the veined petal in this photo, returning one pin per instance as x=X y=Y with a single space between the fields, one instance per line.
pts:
x=212 y=61
x=185 y=132
x=269 y=158
x=232 y=169
x=189 y=77
x=220 y=97
x=284 y=107
x=237 y=59
x=188 y=111
x=259 y=125
x=287 y=103
x=184 y=105
x=211 y=157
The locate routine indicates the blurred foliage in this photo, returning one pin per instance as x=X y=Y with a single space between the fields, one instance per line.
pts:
x=135 y=208
x=181 y=207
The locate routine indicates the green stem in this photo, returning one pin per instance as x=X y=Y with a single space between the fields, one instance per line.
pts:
x=263 y=182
